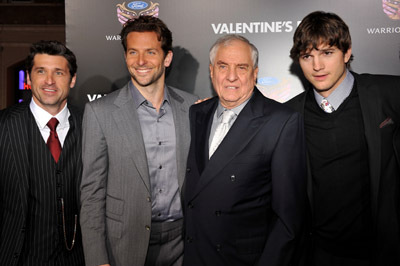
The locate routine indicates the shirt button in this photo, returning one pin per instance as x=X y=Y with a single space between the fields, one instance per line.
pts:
x=233 y=178
x=148 y=199
x=147 y=227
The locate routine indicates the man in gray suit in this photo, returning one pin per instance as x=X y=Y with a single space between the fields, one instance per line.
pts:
x=135 y=144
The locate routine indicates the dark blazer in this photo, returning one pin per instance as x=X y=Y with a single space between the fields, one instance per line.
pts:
x=379 y=97
x=22 y=149
x=245 y=206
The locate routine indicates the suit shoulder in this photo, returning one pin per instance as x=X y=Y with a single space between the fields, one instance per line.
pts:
x=186 y=96
x=296 y=103
x=381 y=82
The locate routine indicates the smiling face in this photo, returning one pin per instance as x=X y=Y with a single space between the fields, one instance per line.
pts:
x=232 y=73
x=324 y=67
x=50 y=82
x=145 y=60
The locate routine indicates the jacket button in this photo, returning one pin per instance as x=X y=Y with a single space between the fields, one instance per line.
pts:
x=148 y=199
x=16 y=255
x=218 y=247
x=190 y=205
x=188 y=170
x=189 y=239
x=23 y=229
x=218 y=213
x=147 y=227
x=233 y=178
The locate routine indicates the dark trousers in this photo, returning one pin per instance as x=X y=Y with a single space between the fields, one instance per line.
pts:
x=322 y=258
x=166 y=244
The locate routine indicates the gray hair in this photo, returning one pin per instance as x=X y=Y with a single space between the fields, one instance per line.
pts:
x=227 y=40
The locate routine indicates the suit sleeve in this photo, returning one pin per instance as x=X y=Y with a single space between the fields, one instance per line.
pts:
x=93 y=189
x=289 y=194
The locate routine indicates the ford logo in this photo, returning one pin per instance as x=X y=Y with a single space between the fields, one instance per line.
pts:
x=267 y=81
x=137 y=5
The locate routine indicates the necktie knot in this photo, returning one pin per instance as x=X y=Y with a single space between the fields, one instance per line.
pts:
x=227 y=116
x=326 y=106
x=52 y=124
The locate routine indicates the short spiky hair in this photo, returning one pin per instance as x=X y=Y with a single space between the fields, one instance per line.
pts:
x=51 y=48
x=148 y=24
x=320 y=27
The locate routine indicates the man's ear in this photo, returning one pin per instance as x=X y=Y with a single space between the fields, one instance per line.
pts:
x=211 y=71
x=347 y=55
x=168 y=59
x=73 y=81
x=28 y=79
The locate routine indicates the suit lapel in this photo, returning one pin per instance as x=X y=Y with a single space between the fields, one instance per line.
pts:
x=240 y=134
x=182 y=133
x=299 y=106
x=371 y=108
x=127 y=121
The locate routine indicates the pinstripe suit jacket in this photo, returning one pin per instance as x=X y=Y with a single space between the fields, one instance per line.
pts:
x=31 y=185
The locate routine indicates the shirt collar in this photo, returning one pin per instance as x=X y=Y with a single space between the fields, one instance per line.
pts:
x=138 y=98
x=42 y=117
x=343 y=91
x=236 y=110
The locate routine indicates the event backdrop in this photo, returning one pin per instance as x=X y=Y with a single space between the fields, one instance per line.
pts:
x=92 y=28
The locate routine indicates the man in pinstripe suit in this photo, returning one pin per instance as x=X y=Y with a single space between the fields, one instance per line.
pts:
x=38 y=187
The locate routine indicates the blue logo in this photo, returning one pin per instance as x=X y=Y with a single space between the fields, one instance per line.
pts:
x=267 y=81
x=135 y=5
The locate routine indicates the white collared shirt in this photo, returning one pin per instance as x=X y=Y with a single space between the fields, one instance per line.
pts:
x=42 y=117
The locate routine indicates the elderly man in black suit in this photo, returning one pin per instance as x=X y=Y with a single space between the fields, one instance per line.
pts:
x=245 y=191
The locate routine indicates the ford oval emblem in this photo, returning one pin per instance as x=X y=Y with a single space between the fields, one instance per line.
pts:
x=267 y=81
x=135 y=5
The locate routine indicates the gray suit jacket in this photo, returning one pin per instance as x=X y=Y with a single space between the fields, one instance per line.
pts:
x=115 y=189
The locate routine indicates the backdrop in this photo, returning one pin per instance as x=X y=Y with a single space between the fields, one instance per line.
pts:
x=92 y=28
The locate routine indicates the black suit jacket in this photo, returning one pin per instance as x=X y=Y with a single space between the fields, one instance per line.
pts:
x=17 y=155
x=245 y=206
x=379 y=97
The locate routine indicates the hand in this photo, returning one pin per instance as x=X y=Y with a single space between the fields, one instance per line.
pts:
x=105 y=265
x=202 y=100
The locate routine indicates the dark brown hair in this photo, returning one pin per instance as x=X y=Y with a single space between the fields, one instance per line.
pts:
x=320 y=27
x=148 y=24
x=51 y=48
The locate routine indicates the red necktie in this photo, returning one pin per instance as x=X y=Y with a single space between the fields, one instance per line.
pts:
x=52 y=142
